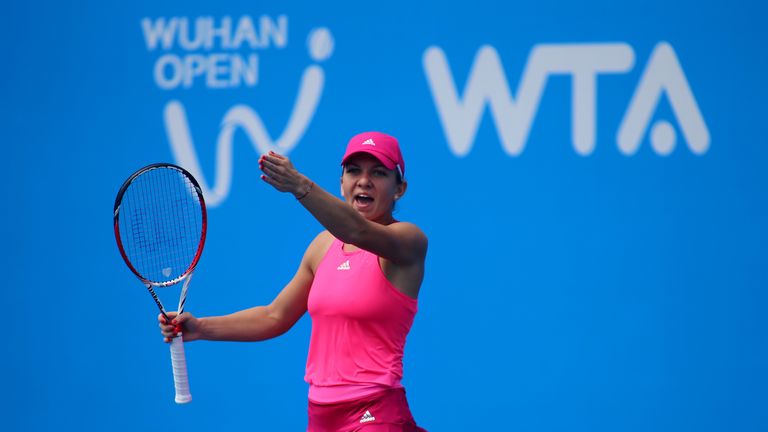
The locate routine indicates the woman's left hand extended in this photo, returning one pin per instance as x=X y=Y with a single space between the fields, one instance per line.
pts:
x=279 y=172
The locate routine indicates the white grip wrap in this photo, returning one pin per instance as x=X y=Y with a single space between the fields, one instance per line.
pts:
x=180 y=378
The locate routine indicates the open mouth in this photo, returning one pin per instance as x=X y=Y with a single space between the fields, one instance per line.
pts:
x=363 y=200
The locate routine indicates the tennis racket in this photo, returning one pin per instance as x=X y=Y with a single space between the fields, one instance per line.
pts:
x=160 y=225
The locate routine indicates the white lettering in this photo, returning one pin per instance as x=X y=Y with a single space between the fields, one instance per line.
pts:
x=220 y=70
x=513 y=116
x=247 y=72
x=278 y=33
x=210 y=33
x=217 y=66
x=246 y=33
x=663 y=75
x=194 y=66
x=222 y=32
x=487 y=84
x=163 y=63
x=583 y=62
x=184 y=37
x=158 y=31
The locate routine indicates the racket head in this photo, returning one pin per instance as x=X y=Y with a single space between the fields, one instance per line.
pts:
x=160 y=223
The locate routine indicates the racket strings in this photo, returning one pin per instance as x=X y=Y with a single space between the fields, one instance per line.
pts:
x=162 y=213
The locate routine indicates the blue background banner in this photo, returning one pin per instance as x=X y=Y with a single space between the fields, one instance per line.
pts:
x=591 y=176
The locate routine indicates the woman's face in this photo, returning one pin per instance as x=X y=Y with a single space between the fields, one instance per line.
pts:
x=370 y=188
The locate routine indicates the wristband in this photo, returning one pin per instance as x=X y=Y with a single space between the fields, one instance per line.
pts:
x=306 y=192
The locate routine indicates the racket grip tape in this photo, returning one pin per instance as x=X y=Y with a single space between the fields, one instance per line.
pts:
x=180 y=378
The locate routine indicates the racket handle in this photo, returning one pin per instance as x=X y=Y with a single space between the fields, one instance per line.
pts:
x=180 y=378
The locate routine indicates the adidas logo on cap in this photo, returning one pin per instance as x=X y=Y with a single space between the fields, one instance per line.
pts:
x=369 y=141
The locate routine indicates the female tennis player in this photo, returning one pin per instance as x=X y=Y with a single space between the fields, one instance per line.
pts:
x=359 y=280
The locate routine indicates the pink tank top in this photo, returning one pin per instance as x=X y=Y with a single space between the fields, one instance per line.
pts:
x=359 y=325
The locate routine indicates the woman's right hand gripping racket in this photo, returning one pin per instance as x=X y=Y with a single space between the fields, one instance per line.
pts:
x=160 y=225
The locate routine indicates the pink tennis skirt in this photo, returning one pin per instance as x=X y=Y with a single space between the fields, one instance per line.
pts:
x=384 y=411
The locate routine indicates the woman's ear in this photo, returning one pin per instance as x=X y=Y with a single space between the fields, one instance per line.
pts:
x=401 y=188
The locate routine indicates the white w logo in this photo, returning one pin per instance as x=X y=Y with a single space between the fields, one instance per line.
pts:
x=242 y=116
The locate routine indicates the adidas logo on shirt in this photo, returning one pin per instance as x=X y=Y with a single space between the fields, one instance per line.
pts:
x=344 y=266
x=367 y=417
x=369 y=141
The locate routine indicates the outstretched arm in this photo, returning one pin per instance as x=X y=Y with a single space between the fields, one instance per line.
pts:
x=401 y=243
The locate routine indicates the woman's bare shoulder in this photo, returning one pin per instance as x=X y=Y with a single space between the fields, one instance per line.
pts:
x=318 y=248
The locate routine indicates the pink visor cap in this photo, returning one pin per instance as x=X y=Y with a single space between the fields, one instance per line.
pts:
x=383 y=147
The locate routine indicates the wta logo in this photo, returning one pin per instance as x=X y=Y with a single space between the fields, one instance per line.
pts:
x=201 y=65
x=513 y=116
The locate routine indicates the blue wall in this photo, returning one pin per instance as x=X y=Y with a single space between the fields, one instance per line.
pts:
x=591 y=176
